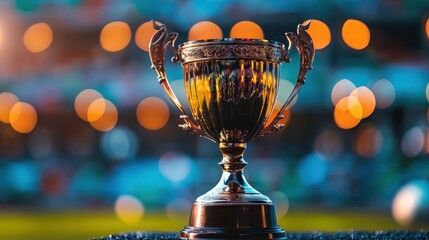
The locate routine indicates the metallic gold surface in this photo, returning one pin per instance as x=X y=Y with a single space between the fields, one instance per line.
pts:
x=231 y=85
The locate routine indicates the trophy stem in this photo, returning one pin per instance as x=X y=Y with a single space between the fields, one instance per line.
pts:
x=233 y=209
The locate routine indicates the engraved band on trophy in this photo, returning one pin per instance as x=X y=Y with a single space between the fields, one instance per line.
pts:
x=231 y=86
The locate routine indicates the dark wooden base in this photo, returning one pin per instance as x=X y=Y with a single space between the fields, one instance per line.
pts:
x=229 y=221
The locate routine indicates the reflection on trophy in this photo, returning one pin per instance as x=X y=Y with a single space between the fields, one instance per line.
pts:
x=231 y=85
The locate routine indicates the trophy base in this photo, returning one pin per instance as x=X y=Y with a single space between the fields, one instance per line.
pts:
x=233 y=221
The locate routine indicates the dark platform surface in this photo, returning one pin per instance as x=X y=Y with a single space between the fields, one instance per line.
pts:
x=360 y=235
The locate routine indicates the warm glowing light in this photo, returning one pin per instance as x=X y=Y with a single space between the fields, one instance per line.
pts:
x=320 y=34
x=144 y=34
x=204 y=30
x=427 y=28
x=286 y=115
x=348 y=112
x=247 y=29
x=115 y=36
x=366 y=99
x=1 y=36
x=83 y=100
x=153 y=113
x=7 y=100
x=129 y=209
x=23 y=117
x=384 y=93
x=102 y=115
x=175 y=166
x=405 y=203
x=38 y=37
x=369 y=142
x=96 y=109
x=413 y=142
x=356 y=34
x=342 y=89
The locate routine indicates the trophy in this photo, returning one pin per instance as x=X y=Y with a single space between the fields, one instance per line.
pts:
x=231 y=86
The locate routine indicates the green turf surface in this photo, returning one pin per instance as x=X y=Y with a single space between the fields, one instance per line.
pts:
x=84 y=225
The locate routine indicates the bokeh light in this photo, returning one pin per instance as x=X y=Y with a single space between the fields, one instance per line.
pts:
x=286 y=115
x=410 y=201
x=7 y=100
x=129 y=209
x=38 y=37
x=102 y=115
x=115 y=36
x=427 y=92
x=282 y=203
x=1 y=35
x=412 y=142
x=247 y=29
x=348 y=112
x=23 y=117
x=356 y=34
x=427 y=28
x=384 y=92
x=285 y=89
x=320 y=34
x=96 y=109
x=366 y=98
x=153 y=113
x=312 y=170
x=328 y=145
x=175 y=166
x=119 y=144
x=369 y=142
x=83 y=100
x=342 y=89
x=144 y=34
x=204 y=30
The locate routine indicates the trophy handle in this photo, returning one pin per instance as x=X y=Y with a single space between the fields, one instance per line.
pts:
x=159 y=44
x=303 y=43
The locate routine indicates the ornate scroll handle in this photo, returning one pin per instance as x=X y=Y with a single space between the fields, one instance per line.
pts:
x=159 y=44
x=303 y=43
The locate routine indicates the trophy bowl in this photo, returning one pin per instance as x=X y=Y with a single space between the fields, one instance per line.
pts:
x=231 y=86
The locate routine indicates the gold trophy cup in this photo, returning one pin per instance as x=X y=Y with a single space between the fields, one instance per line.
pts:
x=231 y=85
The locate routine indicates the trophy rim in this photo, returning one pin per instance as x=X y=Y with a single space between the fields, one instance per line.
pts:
x=250 y=41
x=232 y=48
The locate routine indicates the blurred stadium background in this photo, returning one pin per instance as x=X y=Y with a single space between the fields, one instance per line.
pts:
x=89 y=143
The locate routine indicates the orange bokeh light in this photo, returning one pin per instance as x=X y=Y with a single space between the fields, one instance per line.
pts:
x=38 y=37
x=427 y=28
x=153 y=113
x=286 y=115
x=115 y=36
x=102 y=115
x=204 y=30
x=7 y=100
x=356 y=34
x=83 y=100
x=1 y=35
x=247 y=29
x=366 y=99
x=144 y=34
x=23 y=117
x=320 y=34
x=348 y=112
x=369 y=142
